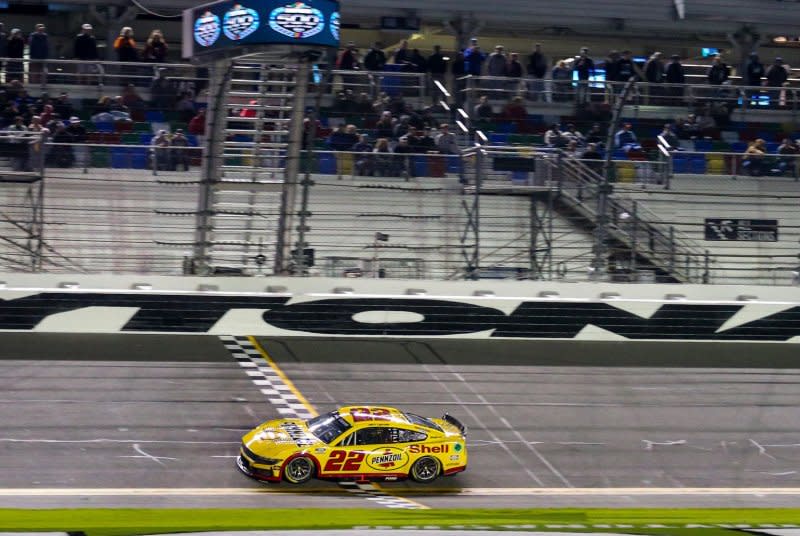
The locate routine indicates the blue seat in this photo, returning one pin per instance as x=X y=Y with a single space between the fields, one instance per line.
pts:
x=420 y=166
x=453 y=164
x=703 y=146
x=104 y=127
x=680 y=163
x=154 y=116
x=327 y=163
x=697 y=165
x=121 y=158
x=738 y=147
x=772 y=146
x=498 y=137
x=519 y=177
x=145 y=139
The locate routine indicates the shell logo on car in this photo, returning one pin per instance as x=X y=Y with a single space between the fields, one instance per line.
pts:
x=355 y=442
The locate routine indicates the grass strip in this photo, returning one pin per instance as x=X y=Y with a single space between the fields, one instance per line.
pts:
x=136 y=521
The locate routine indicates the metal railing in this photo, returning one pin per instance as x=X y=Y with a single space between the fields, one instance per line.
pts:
x=718 y=100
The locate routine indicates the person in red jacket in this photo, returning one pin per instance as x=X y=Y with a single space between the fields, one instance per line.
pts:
x=197 y=125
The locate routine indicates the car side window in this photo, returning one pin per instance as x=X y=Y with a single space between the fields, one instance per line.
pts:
x=409 y=436
x=373 y=436
x=348 y=441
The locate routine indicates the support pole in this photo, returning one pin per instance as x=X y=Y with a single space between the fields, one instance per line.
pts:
x=289 y=196
x=219 y=77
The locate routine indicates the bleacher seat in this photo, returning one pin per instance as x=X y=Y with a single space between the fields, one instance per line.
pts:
x=420 y=166
x=680 y=163
x=697 y=165
x=703 y=146
x=104 y=127
x=498 y=138
x=327 y=163
x=453 y=164
x=154 y=116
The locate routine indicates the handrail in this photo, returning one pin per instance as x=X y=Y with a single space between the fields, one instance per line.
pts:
x=676 y=244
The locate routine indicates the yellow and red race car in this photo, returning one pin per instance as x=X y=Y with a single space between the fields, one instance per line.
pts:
x=355 y=442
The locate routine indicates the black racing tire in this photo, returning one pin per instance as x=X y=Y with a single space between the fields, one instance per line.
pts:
x=425 y=470
x=299 y=470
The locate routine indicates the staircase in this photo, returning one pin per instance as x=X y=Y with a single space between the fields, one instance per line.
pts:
x=630 y=224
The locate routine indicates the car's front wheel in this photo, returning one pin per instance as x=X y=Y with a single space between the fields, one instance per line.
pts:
x=425 y=470
x=298 y=471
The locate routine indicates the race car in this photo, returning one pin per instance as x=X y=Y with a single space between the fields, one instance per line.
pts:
x=355 y=443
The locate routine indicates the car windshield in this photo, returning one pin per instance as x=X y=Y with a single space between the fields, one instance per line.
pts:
x=328 y=426
x=422 y=421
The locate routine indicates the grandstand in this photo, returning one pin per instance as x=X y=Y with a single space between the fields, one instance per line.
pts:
x=119 y=200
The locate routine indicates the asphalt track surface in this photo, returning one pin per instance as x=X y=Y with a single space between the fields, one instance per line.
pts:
x=155 y=421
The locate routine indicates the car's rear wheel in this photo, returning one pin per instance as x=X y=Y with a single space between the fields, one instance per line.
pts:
x=425 y=470
x=298 y=471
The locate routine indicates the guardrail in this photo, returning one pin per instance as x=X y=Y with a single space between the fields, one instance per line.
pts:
x=721 y=100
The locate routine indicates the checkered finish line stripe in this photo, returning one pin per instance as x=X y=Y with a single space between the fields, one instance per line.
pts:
x=265 y=377
x=372 y=493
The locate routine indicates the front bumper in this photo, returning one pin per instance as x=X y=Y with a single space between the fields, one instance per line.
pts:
x=262 y=473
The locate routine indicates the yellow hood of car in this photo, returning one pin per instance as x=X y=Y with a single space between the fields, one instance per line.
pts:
x=280 y=437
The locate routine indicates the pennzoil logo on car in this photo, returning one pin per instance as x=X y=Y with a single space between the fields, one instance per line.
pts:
x=207 y=29
x=429 y=449
x=297 y=20
x=387 y=459
x=240 y=22
x=298 y=435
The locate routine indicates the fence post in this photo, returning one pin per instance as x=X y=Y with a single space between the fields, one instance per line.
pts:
x=671 y=249
x=706 y=268
x=634 y=235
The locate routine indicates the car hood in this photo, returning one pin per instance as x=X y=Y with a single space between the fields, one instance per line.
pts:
x=280 y=437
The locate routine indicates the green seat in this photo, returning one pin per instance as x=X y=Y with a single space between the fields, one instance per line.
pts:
x=130 y=139
x=721 y=146
x=142 y=127
x=100 y=157
x=537 y=139
x=516 y=139
x=176 y=125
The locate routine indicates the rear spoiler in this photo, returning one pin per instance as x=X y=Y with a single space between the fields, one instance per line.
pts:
x=455 y=422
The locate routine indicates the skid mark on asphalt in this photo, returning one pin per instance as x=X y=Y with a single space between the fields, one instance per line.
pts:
x=290 y=403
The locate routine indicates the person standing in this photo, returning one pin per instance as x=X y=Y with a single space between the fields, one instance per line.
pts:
x=38 y=51
x=676 y=77
x=514 y=71
x=16 y=50
x=437 y=67
x=719 y=72
x=537 y=70
x=654 y=74
x=497 y=65
x=375 y=59
x=125 y=45
x=584 y=66
x=155 y=50
x=85 y=50
x=777 y=75
x=754 y=71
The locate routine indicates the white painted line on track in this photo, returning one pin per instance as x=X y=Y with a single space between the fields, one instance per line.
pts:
x=495 y=438
x=487 y=492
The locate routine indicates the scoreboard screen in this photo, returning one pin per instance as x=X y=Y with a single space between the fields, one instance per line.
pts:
x=232 y=23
